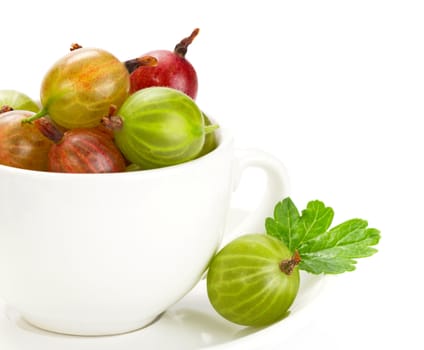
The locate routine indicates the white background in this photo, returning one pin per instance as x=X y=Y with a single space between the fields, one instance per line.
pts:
x=332 y=88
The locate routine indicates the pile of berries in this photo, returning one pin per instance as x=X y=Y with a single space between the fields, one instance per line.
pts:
x=98 y=114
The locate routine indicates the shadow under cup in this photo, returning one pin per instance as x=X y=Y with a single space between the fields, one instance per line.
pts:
x=98 y=254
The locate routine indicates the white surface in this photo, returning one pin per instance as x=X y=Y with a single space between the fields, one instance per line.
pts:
x=333 y=88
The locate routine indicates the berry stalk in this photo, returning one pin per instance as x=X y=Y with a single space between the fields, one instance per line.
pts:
x=287 y=266
x=41 y=113
x=5 y=108
x=143 y=61
x=181 y=48
x=49 y=130
x=211 y=128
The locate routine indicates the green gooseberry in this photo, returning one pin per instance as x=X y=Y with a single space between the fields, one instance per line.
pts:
x=211 y=141
x=160 y=126
x=17 y=100
x=253 y=280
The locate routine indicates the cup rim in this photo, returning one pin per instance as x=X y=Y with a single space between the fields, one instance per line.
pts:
x=223 y=136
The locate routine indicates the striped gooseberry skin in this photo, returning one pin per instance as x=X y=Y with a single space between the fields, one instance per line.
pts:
x=86 y=150
x=245 y=283
x=22 y=145
x=79 y=88
x=161 y=127
x=211 y=141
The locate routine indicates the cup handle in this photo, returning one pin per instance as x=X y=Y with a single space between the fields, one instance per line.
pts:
x=277 y=188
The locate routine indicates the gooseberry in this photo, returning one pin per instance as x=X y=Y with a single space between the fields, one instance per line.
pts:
x=17 y=100
x=82 y=150
x=172 y=70
x=22 y=145
x=159 y=126
x=79 y=88
x=253 y=280
x=211 y=141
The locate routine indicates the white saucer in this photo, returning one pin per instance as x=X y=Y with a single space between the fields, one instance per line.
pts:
x=191 y=324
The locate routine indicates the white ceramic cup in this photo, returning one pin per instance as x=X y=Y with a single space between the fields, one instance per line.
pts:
x=98 y=254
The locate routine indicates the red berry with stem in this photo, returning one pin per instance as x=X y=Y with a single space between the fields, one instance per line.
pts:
x=82 y=150
x=172 y=70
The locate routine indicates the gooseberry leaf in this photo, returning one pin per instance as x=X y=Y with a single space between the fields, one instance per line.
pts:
x=286 y=217
x=314 y=222
x=322 y=250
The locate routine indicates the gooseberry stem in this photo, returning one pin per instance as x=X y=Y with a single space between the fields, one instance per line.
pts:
x=49 y=130
x=112 y=122
x=41 y=113
x=143 y=61
x=287 y=266
x=181 y=48
x=5 y=108
x=211 y=128
x=75 y=46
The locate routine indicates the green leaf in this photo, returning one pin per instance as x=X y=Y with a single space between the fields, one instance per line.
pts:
x=282 y=226
x=315 y=221
x=336 y=250
x=322 y=250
